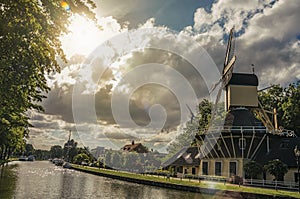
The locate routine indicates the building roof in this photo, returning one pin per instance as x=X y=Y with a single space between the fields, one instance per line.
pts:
x=241 y=117
x=281 y=148
x=243 y=79
x=137 y=147
x=187 y=156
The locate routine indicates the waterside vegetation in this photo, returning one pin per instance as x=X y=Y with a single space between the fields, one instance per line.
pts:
x=205 y=186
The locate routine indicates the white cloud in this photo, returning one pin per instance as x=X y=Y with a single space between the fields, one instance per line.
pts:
x=267 y=38
x=278 y=22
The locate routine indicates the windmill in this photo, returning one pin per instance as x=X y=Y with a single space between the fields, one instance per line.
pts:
x=241 y=91
x=246 y=131
x=227 y=71
x=191 y=112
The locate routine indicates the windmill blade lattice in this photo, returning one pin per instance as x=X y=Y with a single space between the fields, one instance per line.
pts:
x=229 y=61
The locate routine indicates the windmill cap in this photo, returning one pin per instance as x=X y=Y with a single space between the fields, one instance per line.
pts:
x=244 y=79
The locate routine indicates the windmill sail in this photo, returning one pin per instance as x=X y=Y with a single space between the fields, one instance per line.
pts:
x=192 y=114
x=226 y=75
x=230 y=48
x=229 y=61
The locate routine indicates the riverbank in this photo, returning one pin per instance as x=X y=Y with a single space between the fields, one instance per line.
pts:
x=212 y=188
x=2 y=162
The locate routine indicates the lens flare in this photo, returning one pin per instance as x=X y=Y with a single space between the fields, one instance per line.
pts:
x=65 y=5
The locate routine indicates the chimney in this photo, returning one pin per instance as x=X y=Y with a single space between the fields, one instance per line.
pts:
x=132 y=143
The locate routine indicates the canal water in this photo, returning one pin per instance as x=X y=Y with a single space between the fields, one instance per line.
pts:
x=42 y=179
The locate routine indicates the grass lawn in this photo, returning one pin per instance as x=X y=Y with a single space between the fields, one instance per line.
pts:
x=202 y=184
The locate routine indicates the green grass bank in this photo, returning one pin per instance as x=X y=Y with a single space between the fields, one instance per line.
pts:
x=206 y=187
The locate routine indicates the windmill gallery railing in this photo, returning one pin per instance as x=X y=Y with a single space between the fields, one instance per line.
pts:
x=256 y=134
x=260 y=129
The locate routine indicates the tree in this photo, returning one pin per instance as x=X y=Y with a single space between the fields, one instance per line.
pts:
x=252 y=169
x=56 y=151
x=204 y=114
x=286 y=101
x=193 y=128
x=11 y=141
x=291 y=108
x=29 y=149
x=70 y=150
x=276 y=168
x=87 y=152
x=42 y=154
x=29 y=44
x=80 y=158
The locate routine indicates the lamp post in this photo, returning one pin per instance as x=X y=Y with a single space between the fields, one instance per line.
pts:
x=297 y=154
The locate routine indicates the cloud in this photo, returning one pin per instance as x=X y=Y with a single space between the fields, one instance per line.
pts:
x=48 y=129
x=267 y=35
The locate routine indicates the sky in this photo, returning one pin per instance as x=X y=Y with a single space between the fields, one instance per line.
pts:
x=133 y=78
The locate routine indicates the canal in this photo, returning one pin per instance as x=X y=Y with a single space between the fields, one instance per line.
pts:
x=42 y=179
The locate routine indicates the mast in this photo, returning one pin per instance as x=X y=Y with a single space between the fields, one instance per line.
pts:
x=68 y=146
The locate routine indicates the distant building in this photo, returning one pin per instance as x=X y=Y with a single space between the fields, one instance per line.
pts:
x=186 y=161
x=135 y=147
x=98 y=152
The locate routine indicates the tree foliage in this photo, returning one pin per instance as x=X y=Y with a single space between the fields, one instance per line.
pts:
x=70 y=150
x=80 y=158
x=193 y=127
x=252 y=169
x=29 y=150
x=286 y=101
x=29 y=45
x=204 y=114
x=56 y=151
x=42 y=154
x=276 y=168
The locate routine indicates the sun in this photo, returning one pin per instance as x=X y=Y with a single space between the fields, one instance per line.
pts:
x=83 y=37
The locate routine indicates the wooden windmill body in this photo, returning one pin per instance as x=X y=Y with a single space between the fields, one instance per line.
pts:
x=247 y=133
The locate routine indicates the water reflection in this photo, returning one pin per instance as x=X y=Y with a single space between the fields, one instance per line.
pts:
x=44 y=180
x=8 y=180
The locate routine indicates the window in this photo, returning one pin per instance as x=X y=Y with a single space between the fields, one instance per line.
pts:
x=179 y=169
x=218 y=168
x=242 y=143
x=204 y=168
x=193 y=171
x=284 y=144
x=296 y=177
x=187 y=156
x=232 y=168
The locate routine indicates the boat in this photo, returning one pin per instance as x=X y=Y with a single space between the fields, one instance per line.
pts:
x=67 y=165
x=31 y=158
x=23 y=158
x=58 y=162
